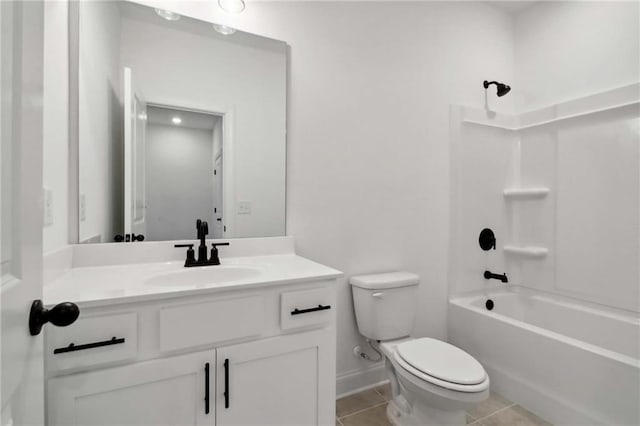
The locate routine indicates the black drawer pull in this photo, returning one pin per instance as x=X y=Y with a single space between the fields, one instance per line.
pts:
x=206 y=388
x=73 y=347
x=306 y=311
x=226 y=383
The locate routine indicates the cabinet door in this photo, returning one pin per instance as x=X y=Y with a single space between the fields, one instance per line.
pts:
x=287 y=380
x=170 y=391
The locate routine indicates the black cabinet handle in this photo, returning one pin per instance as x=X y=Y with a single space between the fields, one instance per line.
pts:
x=206 y=388
x=226 y=383
x=306 y=311
x=73 y=347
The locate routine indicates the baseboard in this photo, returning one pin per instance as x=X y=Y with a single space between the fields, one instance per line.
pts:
x=355 y=381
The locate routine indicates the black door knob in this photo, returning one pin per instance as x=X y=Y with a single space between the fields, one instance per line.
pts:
x=61 y=315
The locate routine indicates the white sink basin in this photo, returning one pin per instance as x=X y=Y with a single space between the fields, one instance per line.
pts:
x=204 y=276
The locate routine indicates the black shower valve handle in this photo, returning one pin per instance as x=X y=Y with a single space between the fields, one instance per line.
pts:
x=487 y=239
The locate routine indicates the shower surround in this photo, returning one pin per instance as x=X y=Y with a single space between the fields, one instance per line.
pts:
x=560 y=188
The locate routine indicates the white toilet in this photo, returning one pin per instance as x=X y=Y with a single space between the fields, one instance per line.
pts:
x=432 y=382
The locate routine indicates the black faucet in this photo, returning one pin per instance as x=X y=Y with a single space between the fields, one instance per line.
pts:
x=489 y=275
x=191 y=261
x=202 y=228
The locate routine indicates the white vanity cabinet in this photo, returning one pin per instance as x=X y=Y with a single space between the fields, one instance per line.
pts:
x=169 y=391
x=285 y=381
x=244 y=357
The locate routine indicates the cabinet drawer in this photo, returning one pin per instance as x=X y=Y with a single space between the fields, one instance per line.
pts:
x=205 y=323
x=306 y=308
x=93 y=340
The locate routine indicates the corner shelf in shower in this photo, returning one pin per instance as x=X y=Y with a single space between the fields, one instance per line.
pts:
x=526 y=193
x=526 y=251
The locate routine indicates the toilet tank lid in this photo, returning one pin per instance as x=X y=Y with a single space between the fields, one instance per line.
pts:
x=385 y=280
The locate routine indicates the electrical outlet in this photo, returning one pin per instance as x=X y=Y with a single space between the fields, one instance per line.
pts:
x=244 y=207
x=48 y=207
x=83 y=208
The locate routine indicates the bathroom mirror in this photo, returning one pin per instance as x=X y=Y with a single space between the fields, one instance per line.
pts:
x=178 y=120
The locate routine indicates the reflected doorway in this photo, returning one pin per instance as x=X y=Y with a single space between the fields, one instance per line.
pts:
x=181 y=170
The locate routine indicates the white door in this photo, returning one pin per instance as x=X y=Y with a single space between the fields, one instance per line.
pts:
x=21 y=50
x=218 y=228
x=135 y=124
x=280 y=381
x=170 y=391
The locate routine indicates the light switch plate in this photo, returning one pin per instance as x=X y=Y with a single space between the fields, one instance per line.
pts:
x=244 y=207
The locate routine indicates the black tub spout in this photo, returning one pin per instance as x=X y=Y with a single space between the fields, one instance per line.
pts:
x=490 y=275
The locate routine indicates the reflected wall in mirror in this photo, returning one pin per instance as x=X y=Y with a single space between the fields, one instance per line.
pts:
x=177 y=122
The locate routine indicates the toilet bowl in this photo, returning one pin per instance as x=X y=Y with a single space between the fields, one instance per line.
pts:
x=435 y=396
x=432 y=382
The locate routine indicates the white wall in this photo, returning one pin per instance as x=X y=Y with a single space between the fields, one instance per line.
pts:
x=100 y=121
x=568 y=49
x=368 y=120
x=56 y=121
x=179 y=163
x=246 y=77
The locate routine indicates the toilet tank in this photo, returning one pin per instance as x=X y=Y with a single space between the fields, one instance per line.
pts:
x=385 y=304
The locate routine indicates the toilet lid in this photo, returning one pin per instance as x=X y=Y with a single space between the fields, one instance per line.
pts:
x=443 y=361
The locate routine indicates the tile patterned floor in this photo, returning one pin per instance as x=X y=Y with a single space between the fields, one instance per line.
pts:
x=368 y=408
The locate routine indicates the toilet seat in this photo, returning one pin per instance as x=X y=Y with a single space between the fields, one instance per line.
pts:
x=441 y=364
x=442 y=361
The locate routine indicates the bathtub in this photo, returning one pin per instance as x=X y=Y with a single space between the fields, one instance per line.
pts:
x=570 y=362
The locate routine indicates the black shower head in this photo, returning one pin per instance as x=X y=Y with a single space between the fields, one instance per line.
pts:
x=503 y=89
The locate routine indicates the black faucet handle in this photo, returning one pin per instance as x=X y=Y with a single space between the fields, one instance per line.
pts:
x=215 y=260
x=191 y=254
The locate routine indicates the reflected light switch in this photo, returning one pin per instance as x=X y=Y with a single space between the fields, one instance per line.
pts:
x=244 y=207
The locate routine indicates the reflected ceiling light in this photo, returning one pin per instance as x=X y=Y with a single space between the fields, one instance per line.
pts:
x=176 y=120
x=168 y=15
x=223 y=29
x=231 y=6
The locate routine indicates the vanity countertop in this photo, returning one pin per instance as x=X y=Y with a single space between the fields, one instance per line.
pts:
x=94 y=286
